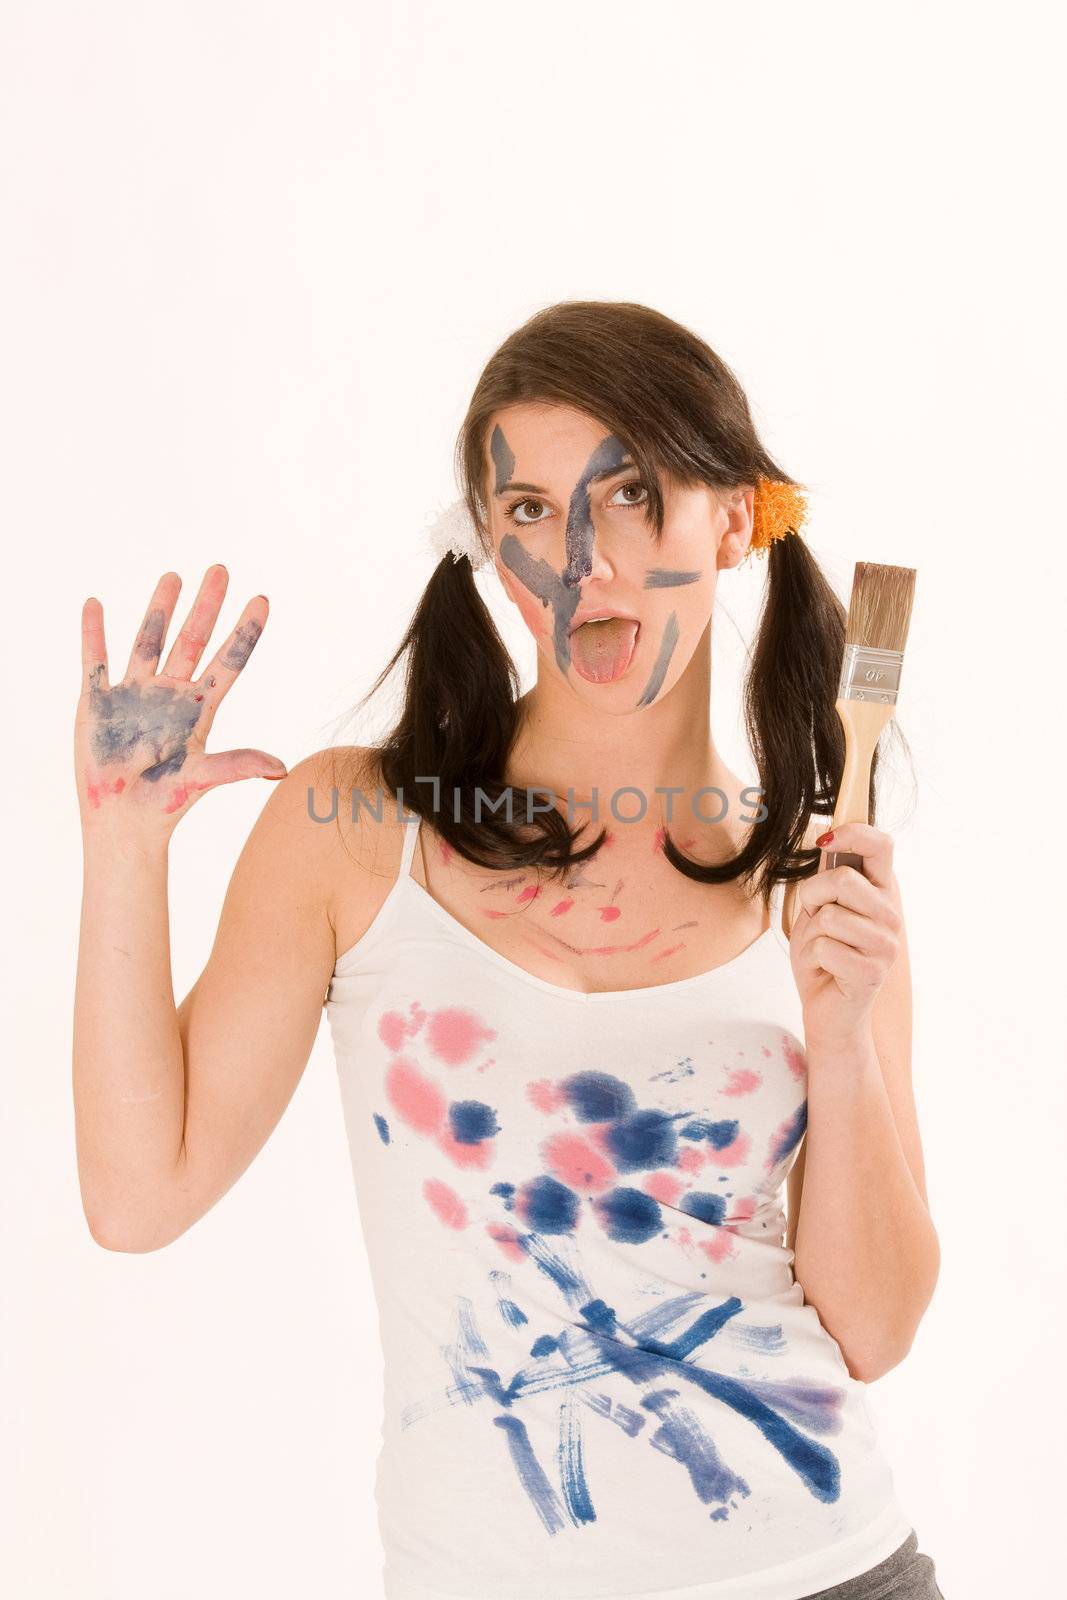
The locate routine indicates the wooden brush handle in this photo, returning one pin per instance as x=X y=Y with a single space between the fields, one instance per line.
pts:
x=863 y=722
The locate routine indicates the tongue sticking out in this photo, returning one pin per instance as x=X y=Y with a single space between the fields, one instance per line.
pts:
x=601 y=651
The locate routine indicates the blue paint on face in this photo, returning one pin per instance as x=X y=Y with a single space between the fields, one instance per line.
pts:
x=662 y=662
x=609 y=456
x=706 y=1207
x=503 y=460
x=561 y=591
x=544 y=581
x=644 y=1140
x=598 y=1097
x=472 y=1121
x=628 y=1215
x=792 y=1135
x=548 y=1205
x=718 y=1134
x=382 y=1127
x=668 y=578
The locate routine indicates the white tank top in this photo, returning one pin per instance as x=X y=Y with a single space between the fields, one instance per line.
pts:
x=601 y=1378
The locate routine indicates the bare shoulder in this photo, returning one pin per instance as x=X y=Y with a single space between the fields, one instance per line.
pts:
x=359 y=835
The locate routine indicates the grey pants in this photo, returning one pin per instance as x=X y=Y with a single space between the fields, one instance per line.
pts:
x=905 y=1575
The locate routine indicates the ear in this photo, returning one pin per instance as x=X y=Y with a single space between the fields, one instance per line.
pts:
x=734 y=541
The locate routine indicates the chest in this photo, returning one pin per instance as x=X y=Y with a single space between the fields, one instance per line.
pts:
x=625 y=919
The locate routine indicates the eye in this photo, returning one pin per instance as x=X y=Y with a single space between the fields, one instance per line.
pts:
x=635 y=483
x=524 y=522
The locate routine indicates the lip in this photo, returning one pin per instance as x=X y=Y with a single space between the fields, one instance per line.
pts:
x=598 y=614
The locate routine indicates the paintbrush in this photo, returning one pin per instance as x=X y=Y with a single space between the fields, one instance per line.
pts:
x=875 y=635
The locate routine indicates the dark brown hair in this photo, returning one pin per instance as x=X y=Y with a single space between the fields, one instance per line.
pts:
x=680 y=410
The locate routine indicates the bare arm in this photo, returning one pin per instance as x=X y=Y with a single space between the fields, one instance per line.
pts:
x=174 y=1103
x=171 y=1105
x=867 y=1254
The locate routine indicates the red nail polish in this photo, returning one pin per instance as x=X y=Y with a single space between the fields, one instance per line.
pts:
x=825 y=838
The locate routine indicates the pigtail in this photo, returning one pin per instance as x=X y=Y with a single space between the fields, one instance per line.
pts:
x=457 y=726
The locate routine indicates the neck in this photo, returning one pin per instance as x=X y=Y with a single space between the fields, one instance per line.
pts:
x=564 y=743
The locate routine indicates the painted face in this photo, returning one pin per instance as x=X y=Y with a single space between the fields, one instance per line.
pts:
x=573 y=543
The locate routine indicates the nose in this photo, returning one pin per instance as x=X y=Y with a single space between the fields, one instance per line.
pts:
x=586 y=555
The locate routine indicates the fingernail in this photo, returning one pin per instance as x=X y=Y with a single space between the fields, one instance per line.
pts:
x=824 y=838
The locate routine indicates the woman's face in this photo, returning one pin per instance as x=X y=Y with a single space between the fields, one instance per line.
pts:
x=572 y=542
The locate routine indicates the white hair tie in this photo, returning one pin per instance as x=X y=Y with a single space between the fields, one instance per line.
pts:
x=452 y=532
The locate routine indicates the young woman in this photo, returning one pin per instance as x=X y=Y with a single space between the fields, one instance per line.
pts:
x=597 y=1016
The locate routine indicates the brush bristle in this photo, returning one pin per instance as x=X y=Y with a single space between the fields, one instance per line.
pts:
x=880 y=608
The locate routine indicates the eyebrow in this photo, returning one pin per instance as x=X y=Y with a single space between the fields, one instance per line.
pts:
x=534 y=488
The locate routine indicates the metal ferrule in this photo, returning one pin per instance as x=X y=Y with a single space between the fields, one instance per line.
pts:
x=868 y=674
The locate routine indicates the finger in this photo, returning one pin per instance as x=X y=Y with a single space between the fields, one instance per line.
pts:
x=233 y=654
x=846 y=886
x=148 y=645
x=873 y=844
x=851 y=928
x=189 y=646
x=230 y=766
x=94 y=647
x=849 y=966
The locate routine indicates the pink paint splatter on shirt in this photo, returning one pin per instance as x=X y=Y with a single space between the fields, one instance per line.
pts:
x=741 y=1080
x=720 y=1246
x=508 y=1240
x=478 y=1154
x=743 y=1210
x=732 y=1154
x=664 y=1187
x=690 y=1159
x=598 y=1132
x=577 y=1163
x=546 y=1095
x=794 y=1060
x=446 y=1203
x=454 y=1034
x=393 y=1028
x=415 y=1097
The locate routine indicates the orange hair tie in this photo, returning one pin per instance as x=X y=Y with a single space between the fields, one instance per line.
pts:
x=777 y=509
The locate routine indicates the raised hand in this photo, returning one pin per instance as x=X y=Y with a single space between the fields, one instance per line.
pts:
x=139 y=750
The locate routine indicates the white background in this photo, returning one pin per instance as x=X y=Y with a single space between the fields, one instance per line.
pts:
x=254 y=258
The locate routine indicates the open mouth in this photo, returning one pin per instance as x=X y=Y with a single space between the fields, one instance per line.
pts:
x=603 y=647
